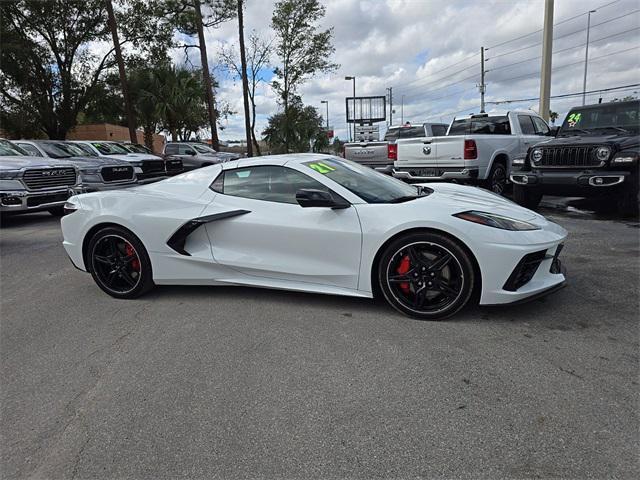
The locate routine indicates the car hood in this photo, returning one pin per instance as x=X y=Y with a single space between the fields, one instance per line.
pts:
x=460 y=198
x=226 y=156
x=19 y=162
x=94 y=162
x=143 y=156
x=620 y=140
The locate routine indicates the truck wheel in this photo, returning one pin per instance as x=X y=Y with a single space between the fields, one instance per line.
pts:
x=629 y=203
x=497 y=179
x=526 y=196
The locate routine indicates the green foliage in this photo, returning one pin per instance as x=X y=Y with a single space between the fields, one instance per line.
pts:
x=302 y=49
x=294 y=131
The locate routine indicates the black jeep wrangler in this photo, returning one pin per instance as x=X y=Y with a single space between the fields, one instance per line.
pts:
x=594 y=153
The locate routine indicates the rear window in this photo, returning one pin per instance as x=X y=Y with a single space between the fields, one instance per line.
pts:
x=411 y=132
x=391 y=135
x=498 y=125
x=439 y=130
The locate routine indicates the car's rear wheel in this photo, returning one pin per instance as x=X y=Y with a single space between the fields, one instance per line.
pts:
x=527 y=197
x=426 y=275
x=119 y=263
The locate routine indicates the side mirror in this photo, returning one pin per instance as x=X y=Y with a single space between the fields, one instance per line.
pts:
x=553 y=131
x=308 y=197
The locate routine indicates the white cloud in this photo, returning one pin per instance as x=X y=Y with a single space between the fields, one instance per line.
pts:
x=407 y=45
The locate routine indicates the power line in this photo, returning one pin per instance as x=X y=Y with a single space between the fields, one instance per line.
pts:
x=502 y=80
x=561 y=36
x=445 y=86
x=564 y=49
x=448 y=67
x=568 y=95
x=555 y=24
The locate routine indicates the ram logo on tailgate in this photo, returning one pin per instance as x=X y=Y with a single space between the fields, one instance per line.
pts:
x=363 y=152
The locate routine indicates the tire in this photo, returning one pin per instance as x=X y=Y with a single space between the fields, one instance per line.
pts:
x=526 y=197
x=119 y=263
x=56 y=211
x=628 y=203
x=439 y=276
x=497 y=179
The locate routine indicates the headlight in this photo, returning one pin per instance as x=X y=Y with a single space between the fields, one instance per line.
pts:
x=518 y=161
x=6 y=185
x=536 y=155
x=496 y=221
x=69 y=207
x=625 y=158
x=6 y=174
x=602 y=153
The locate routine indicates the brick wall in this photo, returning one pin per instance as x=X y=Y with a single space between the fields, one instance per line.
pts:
x=116 y=133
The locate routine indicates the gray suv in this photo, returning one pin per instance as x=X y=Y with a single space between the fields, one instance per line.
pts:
x=196 y=154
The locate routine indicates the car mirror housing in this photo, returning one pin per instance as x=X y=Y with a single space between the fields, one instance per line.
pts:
x=309 y=197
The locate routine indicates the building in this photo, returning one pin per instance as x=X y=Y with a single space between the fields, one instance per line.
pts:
x=117 y=133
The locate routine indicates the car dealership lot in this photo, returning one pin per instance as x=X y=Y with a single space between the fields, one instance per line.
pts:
x=206 y=382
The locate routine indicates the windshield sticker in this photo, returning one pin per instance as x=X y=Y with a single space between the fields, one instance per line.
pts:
x=321 y=167
x=574 y=119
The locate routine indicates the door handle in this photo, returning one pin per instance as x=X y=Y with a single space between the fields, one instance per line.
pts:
x=426 y=142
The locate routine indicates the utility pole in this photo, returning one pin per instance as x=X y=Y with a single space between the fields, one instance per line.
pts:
x=545 y=73
x=206 y=76
x=482 y=85
x=354 y=106
x=390 y=90
x=245 y=82
x=327 y=103
x=131 y=116
x=586 y=57
x=402 y=110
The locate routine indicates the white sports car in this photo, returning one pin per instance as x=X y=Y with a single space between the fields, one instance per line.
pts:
x=316 y=223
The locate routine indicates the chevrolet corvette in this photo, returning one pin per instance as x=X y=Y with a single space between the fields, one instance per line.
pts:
x=316 y=223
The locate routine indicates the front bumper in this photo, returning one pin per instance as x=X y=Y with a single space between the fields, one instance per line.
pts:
x=24 y=201
x=415 y=174
x=581 y=183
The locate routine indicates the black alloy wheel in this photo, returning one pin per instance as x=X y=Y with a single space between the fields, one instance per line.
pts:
x=119 y=263
x=497 y=181
x=426 y=276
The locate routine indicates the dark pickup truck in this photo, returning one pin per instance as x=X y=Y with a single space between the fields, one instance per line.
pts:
x=595 y=153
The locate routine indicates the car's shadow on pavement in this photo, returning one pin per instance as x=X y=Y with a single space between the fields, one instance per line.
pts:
x=28 y=220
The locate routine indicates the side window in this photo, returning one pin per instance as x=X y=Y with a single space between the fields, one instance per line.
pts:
x=171 y=149
x=186 y=150
x=269 y=183
x=541 y=126
x=31 y=150
x=526 y=125
x=439 y=130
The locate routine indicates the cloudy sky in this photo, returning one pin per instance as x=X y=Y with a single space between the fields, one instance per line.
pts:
x=429 y=52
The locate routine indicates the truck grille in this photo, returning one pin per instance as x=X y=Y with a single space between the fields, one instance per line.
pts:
x=49 y=178
x=174 y=166
x=569 y=157
x=116 y=174
x=153 y=166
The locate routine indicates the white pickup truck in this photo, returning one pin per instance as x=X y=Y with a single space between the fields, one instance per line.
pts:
x=380 y=155
x=477 y=149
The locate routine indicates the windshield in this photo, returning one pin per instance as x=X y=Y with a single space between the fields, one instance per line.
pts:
x=203 y=149
x=85 y=149
x=10 y=150
x=136 y=148
x=72 y=149
x=54 y=151
x=613 y=116
x=110 y=148
x=498 y=125
x=371 y=186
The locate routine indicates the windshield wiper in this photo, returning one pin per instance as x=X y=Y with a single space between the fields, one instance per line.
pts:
x=566 y=134
x=405 y=198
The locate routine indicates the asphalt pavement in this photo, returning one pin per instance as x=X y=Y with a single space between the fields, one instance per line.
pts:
x=224 y=382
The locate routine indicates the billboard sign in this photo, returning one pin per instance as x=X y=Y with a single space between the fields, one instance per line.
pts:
x=364 y=110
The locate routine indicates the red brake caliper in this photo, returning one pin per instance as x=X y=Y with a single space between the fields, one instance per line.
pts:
x=135 y=263
x=403 y=268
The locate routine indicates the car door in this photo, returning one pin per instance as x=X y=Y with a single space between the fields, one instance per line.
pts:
x=529 y=136
x=277 y=238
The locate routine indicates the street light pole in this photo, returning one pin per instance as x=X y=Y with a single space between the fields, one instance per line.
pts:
x=586 y=57
x=402 y=110
x=353 y=138
x=327 y=102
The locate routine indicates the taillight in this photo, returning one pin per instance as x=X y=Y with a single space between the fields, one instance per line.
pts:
x=470 y=150
x=392 y=151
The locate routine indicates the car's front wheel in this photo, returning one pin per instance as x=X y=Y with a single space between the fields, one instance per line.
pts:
x=119 y=263
x=426 y=275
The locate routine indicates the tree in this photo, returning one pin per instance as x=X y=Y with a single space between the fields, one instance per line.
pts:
x=245 y=83
x=298 y=130
x=257 y=60
x=553 y=116
x=302 y=49
x=45 y=71
x=191 y=19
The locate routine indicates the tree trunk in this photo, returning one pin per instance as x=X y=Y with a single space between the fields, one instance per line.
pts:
x=148 y=138
x=245 y=82
x=206 y=76
x=131 y=119
x=253 y=125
